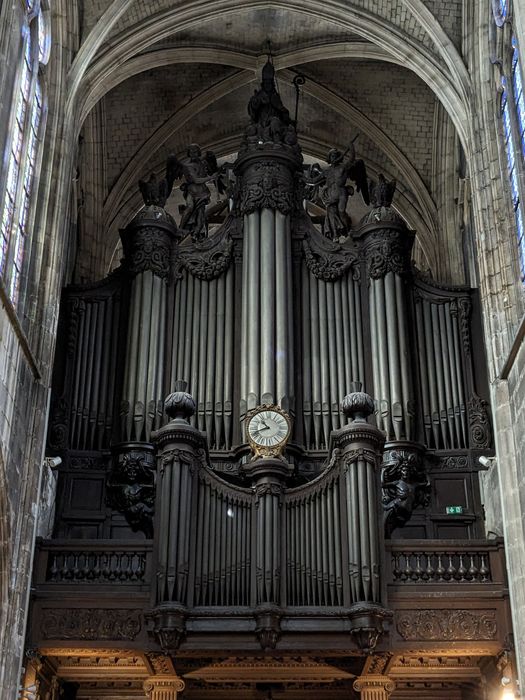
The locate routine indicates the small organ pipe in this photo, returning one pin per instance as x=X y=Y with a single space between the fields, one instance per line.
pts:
x=359 y=369
x=383 y=387
x=434 y=403
x=447 y=375
x=316 y=364
x=228 y=353
x=201 y=354
x=216 y=397
x=427 y=418
x=307 y=360
x=438 y=360
x=405 y=360
x=392 y=341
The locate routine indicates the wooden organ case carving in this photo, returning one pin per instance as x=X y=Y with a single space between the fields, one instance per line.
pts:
x=166 y=498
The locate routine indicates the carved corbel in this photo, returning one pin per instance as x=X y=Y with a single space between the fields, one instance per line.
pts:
x=168 y=626
x=268 y=625
x=367 y=624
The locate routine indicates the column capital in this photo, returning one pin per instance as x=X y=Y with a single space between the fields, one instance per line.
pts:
x=374 y=687
x=163 y=687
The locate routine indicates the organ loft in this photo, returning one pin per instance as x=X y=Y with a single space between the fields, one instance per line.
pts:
x=269 y=423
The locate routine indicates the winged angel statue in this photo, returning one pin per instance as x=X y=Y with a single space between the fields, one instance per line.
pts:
x=195 y=171
x=330 y=185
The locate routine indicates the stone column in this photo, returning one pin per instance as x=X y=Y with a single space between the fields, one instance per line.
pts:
x=374 y=687
x=163 y=687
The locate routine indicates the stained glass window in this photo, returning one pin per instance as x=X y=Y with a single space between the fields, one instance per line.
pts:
x=513 y=152
x=500 y=9
x=25 y=137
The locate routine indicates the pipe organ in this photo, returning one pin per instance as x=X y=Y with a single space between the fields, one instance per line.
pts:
x=268 y=310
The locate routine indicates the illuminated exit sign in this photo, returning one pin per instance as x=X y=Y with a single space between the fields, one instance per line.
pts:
x=454 y=510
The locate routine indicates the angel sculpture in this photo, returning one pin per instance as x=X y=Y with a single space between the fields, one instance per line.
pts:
x=334 y=192
x=196 y=170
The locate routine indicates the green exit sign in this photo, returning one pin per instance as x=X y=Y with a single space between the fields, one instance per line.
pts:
x=454 y=510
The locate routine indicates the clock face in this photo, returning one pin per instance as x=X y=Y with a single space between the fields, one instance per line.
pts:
x=268 y=428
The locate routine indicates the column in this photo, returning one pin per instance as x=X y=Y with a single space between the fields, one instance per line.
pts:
x=181 y=450
x=163 y=687
x=374 y=687
x=386 y=244
x=147 y=255
x=267 y=199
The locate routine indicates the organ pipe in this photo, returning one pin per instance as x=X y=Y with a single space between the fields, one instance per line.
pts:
x=147 y=246
x=332 y=341
x=386 y=246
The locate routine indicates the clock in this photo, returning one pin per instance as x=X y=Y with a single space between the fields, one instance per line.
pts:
x=268 y=429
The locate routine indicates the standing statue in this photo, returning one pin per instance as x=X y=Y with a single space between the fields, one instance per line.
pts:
x=196 y=170
x=270 y=120
x=330 y=184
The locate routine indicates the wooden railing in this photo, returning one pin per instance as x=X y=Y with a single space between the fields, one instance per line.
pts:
x=445 y=562
x=93 y=562
x=408 y=564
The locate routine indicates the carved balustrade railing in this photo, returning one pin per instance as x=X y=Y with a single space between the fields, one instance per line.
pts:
x=93 y=563
x=445 y=562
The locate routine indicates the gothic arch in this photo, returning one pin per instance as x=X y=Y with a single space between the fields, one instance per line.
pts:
x=450 y=83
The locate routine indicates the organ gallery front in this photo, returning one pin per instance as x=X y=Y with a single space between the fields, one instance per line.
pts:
x=269 y=423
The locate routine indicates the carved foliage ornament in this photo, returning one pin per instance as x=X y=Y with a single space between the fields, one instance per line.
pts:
x=209 y=258
x=479 y=423
x=147 y=247
x=449 y=625
x=387 y=250
x=90 y=623
x=267 y=185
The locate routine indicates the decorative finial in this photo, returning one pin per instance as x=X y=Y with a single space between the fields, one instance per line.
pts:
x=180 y=405
x=357 y=405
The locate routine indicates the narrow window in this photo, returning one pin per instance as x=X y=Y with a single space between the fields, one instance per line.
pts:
x=26 y=136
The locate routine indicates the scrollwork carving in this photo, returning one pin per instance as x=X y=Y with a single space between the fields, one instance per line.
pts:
x=208 y=258
x=267 y=184
x=479 y=423
x=387 y=250
x=325 y=264
x=147 y=247
x=449 y=625
x=90 y=624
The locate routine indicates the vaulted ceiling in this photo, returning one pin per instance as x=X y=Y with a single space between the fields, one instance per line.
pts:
x=153 y=76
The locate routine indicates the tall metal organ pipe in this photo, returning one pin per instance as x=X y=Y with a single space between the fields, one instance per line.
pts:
x=267 y=188
x=387 y=244
x=147 y=244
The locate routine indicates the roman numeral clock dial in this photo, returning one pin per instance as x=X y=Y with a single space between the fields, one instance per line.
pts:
x=268 y=430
